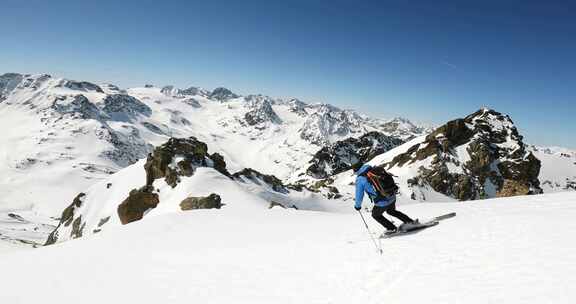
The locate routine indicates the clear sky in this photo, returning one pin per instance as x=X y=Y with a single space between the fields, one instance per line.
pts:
x=429 y=61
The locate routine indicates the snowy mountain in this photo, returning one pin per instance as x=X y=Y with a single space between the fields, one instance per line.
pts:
x=63 y=136
x=479 y=156
x=66 y=138
x=80 y=132
x=558 y=171
x=341 y=155
x=476 y=157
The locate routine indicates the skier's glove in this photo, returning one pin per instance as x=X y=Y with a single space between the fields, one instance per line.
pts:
x=357 y=208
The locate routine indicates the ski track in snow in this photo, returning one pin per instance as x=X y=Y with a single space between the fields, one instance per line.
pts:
x=513 y=250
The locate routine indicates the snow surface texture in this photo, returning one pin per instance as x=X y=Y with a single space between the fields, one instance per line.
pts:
x=510 y=250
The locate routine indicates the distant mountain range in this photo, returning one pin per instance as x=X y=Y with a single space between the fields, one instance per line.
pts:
x=66 y=139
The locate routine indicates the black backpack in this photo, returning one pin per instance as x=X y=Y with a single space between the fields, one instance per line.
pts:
x=382 y=181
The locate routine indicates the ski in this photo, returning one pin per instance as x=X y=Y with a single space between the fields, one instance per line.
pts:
x=445 y=216
x=411 y=230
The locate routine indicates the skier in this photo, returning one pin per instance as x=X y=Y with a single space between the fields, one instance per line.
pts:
x=381 y=203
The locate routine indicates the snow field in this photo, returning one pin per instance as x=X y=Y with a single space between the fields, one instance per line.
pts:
x=513 y=250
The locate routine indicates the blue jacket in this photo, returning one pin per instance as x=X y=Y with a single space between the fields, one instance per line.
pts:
x=363 y=185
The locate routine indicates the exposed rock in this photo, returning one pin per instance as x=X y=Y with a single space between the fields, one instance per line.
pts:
x=256 y=177
x=78 y=106
x=326 y=188
x=9 y=82
x=180 y=157
x=103 y=221
x=126 y=148
x=192 y=91
x=112 y=89
x=297 y=106
x=260 y=110
x=513 y=188
x=77 y=227
x=472 y=158
x=153 y=128
x=328 y=120
x=209 y=202
x=275 y=204
x=192 y=102
x=136 y=205
x=219 y=164
x=67 y=218
x=124 y=107
x=340 y=156
x=222 y=94
x=81 y=86
x=170 y=91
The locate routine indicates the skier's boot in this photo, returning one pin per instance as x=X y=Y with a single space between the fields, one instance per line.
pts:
x=409 y=225
x=389 y=232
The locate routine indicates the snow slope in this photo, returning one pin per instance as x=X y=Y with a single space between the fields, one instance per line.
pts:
x=558 y=172
x=511 y=250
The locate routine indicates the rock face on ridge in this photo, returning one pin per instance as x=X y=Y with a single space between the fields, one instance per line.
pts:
x=260 y=110
x=257 y=177
x=479 y=156
x=212 y=201
x=138 y=202
x=340 y=156
x=180 y=157
x=125 y=105
x=222 y=94
x=67 y=218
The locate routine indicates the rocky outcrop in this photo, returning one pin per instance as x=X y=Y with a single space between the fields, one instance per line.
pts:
x=324 y=187
x=260 y=110
x=170 y=91
x=122 y=107
x=67 y=218
x=193 y=91
x=139 y=202
x=326 y=121
x=257 y=177
x=222 y=94
x=297 y=106
x=77 y=106
x=81 y=86
x=9 y=82
x=125 y=149
x=213 y=201
x=402 y=127
x=513 y=188
x=180 y=157
x=340 y=156
x=479 y=156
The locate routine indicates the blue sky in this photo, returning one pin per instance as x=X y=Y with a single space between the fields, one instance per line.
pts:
x=429 y=61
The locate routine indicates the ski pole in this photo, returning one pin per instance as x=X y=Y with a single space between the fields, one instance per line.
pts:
x=378 y=248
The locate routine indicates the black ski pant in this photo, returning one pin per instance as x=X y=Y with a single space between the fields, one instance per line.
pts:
x=377 y=214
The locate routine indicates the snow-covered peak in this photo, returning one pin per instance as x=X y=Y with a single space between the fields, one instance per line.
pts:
x=222 y=94
x=260 y=110
x=479 y=156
